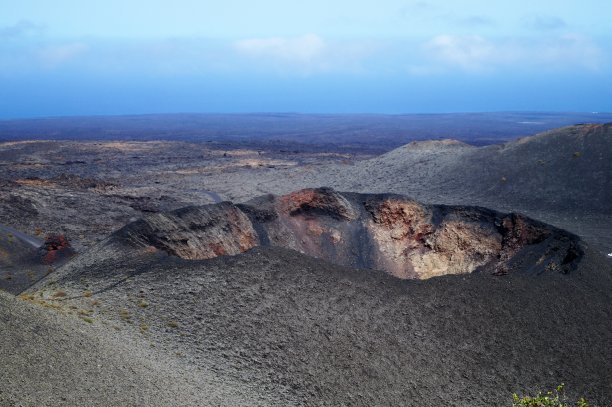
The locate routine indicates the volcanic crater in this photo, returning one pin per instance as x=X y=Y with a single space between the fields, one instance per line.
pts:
x=393 y=233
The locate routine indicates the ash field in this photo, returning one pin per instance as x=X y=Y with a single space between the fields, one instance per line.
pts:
x=295 y=260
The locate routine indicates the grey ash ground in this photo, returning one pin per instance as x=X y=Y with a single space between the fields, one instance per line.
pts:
x=126 y=322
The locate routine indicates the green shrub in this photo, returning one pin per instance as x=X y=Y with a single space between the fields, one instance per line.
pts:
x=553 y=398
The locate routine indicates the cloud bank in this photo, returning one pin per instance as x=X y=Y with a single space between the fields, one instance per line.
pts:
x=308 y=54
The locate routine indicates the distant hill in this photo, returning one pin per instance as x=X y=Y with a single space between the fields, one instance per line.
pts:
x=567 y=169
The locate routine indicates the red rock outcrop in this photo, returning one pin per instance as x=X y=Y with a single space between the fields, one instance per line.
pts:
x=56 y=248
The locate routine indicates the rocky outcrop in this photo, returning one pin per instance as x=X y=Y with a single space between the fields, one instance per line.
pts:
x=388 y=232
x=195 y=232
x=55 y=249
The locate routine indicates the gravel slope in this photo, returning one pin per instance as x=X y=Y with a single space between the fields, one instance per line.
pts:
x=52 y=359
x=326 y=335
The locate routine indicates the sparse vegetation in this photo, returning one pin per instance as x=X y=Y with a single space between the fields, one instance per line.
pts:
x=39 y=301
x=173 y=324
x=124 y=314
x=26 y=297
x=552 y=398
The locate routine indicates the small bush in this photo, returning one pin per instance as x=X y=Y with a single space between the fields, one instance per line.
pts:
x=553 y=398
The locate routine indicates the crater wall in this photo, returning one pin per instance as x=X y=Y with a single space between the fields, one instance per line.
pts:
x=392 y=233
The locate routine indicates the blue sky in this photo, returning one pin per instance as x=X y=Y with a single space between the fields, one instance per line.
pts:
x=391 y=56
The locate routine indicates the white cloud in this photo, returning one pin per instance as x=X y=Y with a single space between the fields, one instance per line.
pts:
x=467 y=52
x=304 y=49
x=573 y=50
x=21 y=29
x=476 y=54
x=54 y=55
x=306 y=54
x=544 y=23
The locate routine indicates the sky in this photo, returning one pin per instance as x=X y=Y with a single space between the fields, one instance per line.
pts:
x=77 y=57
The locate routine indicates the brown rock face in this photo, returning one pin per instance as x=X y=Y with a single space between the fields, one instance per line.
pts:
x=388 y=232
x=399 y=229
x=195 y=233
x=410 y=245
x=324 y=202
